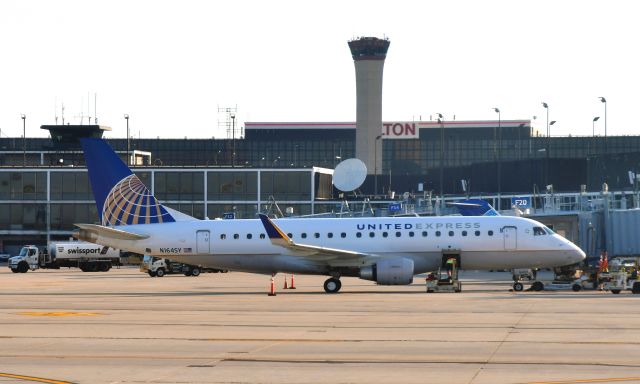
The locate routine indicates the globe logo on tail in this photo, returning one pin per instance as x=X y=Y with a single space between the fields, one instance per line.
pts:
x=130 y=202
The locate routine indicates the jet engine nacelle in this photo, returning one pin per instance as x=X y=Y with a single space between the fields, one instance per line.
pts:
x=395 y=271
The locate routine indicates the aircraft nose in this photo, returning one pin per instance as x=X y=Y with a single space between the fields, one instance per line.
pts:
x=578 y=254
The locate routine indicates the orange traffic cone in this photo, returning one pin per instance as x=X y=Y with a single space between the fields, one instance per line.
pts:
x=272 y=291
x=285 y=282
x=292 y=286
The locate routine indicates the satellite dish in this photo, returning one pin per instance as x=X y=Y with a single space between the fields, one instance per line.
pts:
x=349 y=175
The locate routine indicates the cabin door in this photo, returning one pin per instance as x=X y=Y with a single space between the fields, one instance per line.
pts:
x=202 y=242
x=510 y=237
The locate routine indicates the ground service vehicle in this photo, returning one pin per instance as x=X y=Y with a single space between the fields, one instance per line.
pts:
x=446 y=279
x=86 y=256
x=158 y=267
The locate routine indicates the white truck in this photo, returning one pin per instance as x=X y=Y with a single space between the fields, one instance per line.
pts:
x=86 y=256
x=158 y=267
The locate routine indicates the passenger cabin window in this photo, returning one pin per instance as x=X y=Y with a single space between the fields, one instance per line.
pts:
x=372 y=234
x=262 y=236
x=398 y=234
x=223 y=236
x=343 y=235
x=539 y=231
x=411 y=234
x=424 y=233
x=330 y=235
x=304 y=235
x=385 y=234
x=236 y=236
x=464 y=233
x=438 y=233
x=358 y=234
x=477 y=233
x=290 y=235
x=490 y=233
x=316 y=235
x=451 y=233
x=249 y=236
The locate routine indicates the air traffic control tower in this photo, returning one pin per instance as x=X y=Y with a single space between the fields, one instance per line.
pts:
x=368 y=56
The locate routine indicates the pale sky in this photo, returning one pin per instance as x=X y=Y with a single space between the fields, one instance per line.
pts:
x=171 y=64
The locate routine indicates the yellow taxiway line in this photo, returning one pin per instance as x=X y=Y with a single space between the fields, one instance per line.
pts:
x=580 y=381
x=34 y=379
x=59 y=314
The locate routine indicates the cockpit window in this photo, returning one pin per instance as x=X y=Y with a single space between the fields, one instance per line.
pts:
x=549 y=231
x=539 y=231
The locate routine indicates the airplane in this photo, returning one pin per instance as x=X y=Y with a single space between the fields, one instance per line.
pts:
x=387 y=250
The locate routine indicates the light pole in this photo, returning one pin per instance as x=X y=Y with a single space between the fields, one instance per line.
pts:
x=499 y=154
x=604 y=101
x=126 y=117
x=233 y=135
x=546 y=160
x=375 y=166
x=593 y=126
x=548 y=153
x=24 y=139
x=441 y=122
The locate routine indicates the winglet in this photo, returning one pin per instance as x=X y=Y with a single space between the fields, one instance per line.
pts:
x=276 y=235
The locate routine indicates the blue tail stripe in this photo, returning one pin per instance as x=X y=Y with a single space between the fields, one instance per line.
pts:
x=154 y=213
x=143 y=208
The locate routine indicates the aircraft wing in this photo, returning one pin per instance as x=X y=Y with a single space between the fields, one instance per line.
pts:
x=332 y=256
x=87 y=230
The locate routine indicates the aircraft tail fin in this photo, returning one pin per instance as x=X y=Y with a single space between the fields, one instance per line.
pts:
x=121 y=198
x=475 y=207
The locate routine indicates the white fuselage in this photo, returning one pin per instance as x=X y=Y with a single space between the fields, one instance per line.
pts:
x=482 y=242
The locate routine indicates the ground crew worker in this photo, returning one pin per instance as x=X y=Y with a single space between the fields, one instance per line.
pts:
x=451 y=264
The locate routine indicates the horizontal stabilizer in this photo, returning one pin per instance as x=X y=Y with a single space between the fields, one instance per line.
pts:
x=88 y=232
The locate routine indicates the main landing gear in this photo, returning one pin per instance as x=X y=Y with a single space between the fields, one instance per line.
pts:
x=332 y=285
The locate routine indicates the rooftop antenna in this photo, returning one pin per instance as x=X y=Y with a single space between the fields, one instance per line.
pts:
x=62 y=113
x=55 y=109
x=95 y=108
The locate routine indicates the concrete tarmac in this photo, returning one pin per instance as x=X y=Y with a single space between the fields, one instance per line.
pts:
x=123 y=326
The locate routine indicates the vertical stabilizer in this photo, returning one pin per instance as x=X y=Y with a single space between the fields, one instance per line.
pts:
x=121 y=198
x=475 y=207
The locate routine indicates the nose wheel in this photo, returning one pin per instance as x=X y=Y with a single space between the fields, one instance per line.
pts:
x=332 y=285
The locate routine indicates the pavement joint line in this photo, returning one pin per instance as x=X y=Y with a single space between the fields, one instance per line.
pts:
x=501 y=343
x=431 y=326
x=316 y=340
x=32 y=378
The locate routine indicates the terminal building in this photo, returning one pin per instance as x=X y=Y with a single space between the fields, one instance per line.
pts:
x=44 y=188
